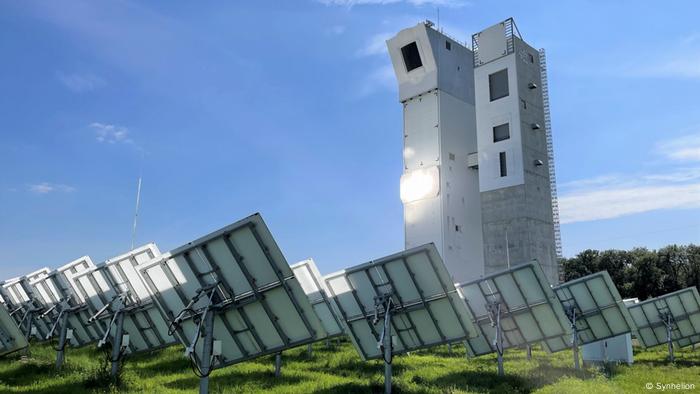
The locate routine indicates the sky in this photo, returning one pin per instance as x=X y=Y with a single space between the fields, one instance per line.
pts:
x=291 y=109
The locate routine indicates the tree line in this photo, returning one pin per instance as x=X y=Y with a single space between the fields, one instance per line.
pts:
x=640 y=272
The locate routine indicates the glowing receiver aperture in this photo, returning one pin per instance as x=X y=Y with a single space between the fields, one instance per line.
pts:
x=420 y=184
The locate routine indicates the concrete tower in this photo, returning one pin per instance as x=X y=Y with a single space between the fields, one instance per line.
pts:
x=514 y=174
x=439 y=190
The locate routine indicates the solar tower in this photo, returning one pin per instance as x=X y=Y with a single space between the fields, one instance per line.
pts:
x=439 y=189
x=519 y=215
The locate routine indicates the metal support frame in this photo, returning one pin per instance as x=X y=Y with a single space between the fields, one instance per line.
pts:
x=385 y=303
x=205 y=329
x=668 y=322
x=494 y=308
x=529 y=353
x=62 y=324
x=574 y=336
x=117 y=305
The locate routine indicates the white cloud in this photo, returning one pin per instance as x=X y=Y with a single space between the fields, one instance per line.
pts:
x=46 y=188
x=612 y=196
x=622 y=201
x=417 y=3
x=111 y=134
x=376 y=45
x=80 y=83
x=685 y=148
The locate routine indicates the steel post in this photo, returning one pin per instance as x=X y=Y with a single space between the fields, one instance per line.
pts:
x=278 y=365
x=117 y=343
x=669 y=337
x=207 y=349
x=62 y=340
x=499 y=341
x=388 y=351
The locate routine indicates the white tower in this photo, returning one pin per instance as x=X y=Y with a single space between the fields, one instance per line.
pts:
x=440 y=182
x=514 y=159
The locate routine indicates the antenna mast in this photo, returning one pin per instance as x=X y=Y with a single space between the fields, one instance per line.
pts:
x=136 y=212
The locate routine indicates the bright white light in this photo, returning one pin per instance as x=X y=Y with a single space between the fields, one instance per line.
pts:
x=420 y=184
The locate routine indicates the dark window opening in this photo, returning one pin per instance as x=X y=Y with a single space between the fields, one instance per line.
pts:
x=502 y=159
x=501 y=132
x=411 y=57
x=448 y=45
x=498 y=84
x=532 y=58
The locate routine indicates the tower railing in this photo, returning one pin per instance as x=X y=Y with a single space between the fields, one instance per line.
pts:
x=511 y=31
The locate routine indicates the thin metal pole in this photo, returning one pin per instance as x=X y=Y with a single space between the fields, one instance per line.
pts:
x=529 y=353
x=669 y=338
x=278 y=365
x=507 y=250
x=310 y=350
x=388 y=351
x=117 y=345
x=62 y=340
x=499 y=341
x=574 y=331
x=207 y=349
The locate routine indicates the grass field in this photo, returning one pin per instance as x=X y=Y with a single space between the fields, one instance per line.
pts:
x=339 y=370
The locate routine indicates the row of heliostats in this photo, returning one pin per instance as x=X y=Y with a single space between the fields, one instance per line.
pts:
x=236 y=284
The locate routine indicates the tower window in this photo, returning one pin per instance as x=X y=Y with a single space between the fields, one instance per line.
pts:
x=498 y=84
x=411 y=57
x=532 y=58
x=501 y=132
x=448 y=45
x=502 y=160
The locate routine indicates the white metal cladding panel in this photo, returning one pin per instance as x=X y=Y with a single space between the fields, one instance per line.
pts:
x=63 y=282
x=684 y=307
x=125 y=277
x=530 y=311
x=428 y=309
x=600 y=310
x=146 y=326
x=11 y=337
x=262 y=309
x=315 y=288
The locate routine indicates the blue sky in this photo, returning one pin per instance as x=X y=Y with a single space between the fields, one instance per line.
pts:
x=291 y=109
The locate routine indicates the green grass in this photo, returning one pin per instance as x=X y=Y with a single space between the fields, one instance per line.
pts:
x=340 y=370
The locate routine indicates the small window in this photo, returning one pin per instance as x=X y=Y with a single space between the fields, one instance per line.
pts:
x=502 y=159
x=448 y=45
x=498 y=84
x=411 y=57
x=501 y=132
x=531 y=58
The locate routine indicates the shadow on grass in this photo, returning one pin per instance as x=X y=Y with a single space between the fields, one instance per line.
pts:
x=355 y=388
x=261 y=380
x=170 y=366
x=667 y=362
x=27 y=373
x=483 y=382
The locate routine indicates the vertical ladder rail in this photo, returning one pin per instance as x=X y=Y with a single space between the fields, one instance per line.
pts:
x=550 y=158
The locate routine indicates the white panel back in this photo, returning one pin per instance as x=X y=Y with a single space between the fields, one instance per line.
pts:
x=530 y=311
x=428 y=310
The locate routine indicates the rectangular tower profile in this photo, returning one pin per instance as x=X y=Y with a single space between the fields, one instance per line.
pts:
x=439 y=190
x=514 y=174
